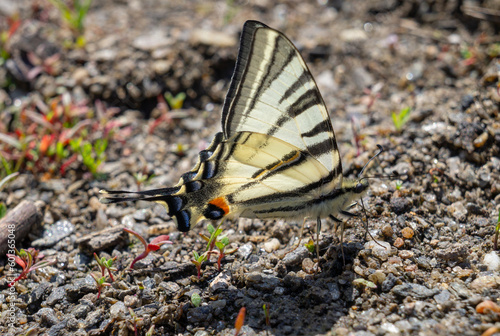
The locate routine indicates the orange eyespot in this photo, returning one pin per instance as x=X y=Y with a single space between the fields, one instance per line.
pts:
x=221 y=203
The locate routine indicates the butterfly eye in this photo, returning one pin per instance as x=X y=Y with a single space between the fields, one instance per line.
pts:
x=359 y=188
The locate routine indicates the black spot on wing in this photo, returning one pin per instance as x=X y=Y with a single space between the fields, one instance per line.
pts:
x=212 y=211
x=193 y=186
x=183 y=220
x=209 y=169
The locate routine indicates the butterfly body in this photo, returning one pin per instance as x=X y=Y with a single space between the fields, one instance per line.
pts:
x=276 y=156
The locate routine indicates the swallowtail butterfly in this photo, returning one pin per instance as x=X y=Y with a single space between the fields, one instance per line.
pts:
x=276 y=156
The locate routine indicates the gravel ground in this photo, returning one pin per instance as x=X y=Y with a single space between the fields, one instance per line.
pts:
x=435 y=261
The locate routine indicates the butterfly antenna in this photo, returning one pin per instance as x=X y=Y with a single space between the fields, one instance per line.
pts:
x=380 y=150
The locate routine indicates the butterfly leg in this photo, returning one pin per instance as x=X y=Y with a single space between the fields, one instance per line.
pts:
x=336 y=220
x=318 y=231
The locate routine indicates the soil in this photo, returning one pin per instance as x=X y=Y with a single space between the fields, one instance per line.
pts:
x=434 y=192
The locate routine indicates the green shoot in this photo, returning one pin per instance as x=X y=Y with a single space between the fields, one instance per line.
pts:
x=176 y=102
x=399 y=184
x=133 y=322
x=74 y=16
x=106 y=265
x=150 y=330
x=266 y=314
x=196 y=299
x=198 y=260
x=92 y=156
x=310 y=246
x=101 y=283
x=401 y=118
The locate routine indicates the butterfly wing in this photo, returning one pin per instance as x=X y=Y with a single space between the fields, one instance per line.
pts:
x=272 y=92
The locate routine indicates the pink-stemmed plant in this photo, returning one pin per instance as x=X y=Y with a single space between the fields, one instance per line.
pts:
x=29 y=260
x=153 y=246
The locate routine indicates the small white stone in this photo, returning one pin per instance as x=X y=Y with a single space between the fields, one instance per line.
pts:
x=492 y=261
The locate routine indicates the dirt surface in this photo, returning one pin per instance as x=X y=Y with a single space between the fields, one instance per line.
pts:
x=436 y=260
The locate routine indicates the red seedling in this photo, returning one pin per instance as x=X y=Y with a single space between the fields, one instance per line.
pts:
x=240 y=320
x=29 y=260
x=153 y=246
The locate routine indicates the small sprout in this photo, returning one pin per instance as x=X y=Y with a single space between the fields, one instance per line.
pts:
x=150 y=330
x=153 y=246
x=196 y=299
x=240 y=319
x=401 y=118
x=266 y=314
x=176 y=102
x=101 y=283
x=106 y=265
x=399 y=184
x=198 y=260
x=217 y=240
x=310 y=246
x=29 y=260
x=133 y=322
x=497 y=230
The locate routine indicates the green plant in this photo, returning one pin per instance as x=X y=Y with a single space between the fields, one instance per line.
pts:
x=198 y=260
x=150 y=330
x=401 y=118
x=216 y=240
x=196 y=299
x=133 y=322
x=92 y=155
x=38 y=138
x=74 y=16
x=153 y=246
x=176 y=102
x=265 y=307
x=29 y=260
x=101 y=283
x=3 y=207
x=310 y=246
x=106 y=265
x=497 y=230
x=399 y=184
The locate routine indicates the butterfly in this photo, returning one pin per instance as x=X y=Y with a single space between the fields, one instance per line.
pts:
x=276 y=156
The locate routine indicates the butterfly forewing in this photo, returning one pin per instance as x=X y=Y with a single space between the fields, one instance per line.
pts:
x=273 y=92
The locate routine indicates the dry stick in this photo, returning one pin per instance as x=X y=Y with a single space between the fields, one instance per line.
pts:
x=18 y=221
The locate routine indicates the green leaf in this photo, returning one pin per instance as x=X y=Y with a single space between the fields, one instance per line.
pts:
x=196 y=299
x=3 y=210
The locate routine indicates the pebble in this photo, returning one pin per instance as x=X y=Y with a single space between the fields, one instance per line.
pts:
x=398 y=243
x=220 y=282
x=46 y=316
x=296 y=257
x=387 y=230
x=407 y=233
x=492 y=261
x=245 y=250
x=54 y=233
x=380 y=251
x=272 y=245
x=443 y=296
x=459 y=289
x=353 y=35
x=457 y=210
x=57 y=295
x=405 y=254
x=415 y=291
x=485 y=282
x=118 y=311
x=400 y=205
